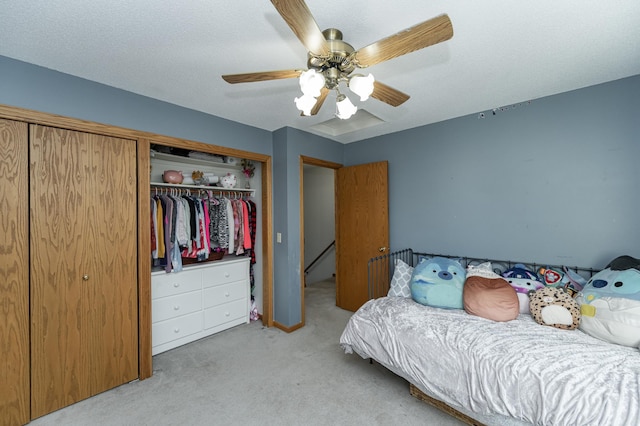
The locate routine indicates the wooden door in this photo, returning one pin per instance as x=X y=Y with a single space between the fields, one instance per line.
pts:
x=362 y=228
x=14 y=274
x=83 y=266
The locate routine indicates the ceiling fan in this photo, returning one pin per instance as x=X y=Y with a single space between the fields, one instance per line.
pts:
x=331 y=61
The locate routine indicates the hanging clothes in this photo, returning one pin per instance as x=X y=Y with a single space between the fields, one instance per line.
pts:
x=252 y=228
x=245 y=221
x=238 y=226
x=154 y=230
x=190 y=226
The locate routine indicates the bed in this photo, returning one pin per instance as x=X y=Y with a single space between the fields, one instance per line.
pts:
x=494 y=373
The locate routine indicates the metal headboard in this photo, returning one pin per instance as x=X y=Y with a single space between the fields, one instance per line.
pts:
x=380 y=269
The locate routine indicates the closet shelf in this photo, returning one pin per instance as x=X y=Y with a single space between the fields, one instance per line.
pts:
x=191 y=160
x=201 y=187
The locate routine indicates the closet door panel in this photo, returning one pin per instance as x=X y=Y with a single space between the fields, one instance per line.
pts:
x=111 y=263
x=14 y=274
x=84 y=268
x=57 y=200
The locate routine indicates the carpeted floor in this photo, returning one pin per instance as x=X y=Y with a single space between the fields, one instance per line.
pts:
x=252 y=375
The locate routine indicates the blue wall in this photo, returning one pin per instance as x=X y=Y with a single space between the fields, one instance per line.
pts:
x=289 y=145
x=554 y=180
x=28 y=86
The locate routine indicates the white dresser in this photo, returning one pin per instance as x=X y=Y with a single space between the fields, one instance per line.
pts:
x=198 y=301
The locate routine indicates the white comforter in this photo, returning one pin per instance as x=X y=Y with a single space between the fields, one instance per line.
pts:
x=520 y=369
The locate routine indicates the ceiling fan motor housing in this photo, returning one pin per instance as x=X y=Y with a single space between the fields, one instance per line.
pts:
x=338 y=65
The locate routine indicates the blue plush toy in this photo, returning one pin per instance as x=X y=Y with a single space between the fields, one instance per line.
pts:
x=610 y=303
x=621 y=278
x=438 y=282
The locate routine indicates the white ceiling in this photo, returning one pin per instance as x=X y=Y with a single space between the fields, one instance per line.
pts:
x=503 y=52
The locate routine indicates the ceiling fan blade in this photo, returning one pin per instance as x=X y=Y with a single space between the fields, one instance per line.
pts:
x=388 y=94
x=323 y=95
x=299 y=18
x=261 y=76
x=419 y=36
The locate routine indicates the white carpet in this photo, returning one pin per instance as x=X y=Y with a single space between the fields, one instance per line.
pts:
x=252 y=375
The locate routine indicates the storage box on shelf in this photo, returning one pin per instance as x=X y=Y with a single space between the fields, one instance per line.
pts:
x=199 y=301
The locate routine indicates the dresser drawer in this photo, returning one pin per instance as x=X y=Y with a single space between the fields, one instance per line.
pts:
x=174 y=306
x=164 y=284
x=225 y=293
x=225 y=273
x=175 y=328
x=220 y=314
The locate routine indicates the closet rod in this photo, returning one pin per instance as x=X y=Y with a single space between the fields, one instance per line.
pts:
x=175 y=190
x=215 y=188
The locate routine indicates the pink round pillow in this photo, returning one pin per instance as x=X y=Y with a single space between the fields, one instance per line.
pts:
x=491 y=298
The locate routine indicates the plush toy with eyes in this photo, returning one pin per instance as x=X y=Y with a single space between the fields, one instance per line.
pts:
x=610 y=303
x=554 y=307
x=438 y=282
x=523 y=281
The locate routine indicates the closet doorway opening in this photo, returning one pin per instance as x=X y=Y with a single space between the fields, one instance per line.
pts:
x=317 y=224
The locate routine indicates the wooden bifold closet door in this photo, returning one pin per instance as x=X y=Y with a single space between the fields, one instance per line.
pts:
x=14 y=274
x=83 y=265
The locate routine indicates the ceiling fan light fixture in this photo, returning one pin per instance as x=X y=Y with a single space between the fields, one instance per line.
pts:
x=344 y=108
x=330 y=60
x=361 y=85
x=311 y=82
x=305 y=103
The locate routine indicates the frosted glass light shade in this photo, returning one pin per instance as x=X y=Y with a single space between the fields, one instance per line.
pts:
x=344 y=108
x=362 y=86
x=311 y=81
x=304 y=103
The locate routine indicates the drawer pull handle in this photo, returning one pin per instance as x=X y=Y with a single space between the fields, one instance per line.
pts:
x=226 y=294
x=176 y=308
x=176 y=285
x=226 y=274
x=176 y=330
x=226 y=314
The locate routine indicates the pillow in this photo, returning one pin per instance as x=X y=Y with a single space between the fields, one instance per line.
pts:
x=612 y=319
x=523 y=281
x=438 y=282
x=523 y=287
x=401 y=281
x=483 y=270
x=520 y=271
x=491 y=298
x=610 y=303
x=554 y=307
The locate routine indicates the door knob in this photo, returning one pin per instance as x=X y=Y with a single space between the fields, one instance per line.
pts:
x=85 y=277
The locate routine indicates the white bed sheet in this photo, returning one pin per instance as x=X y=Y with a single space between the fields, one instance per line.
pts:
x=519 y=369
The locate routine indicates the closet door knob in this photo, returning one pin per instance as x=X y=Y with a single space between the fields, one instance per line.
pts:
x=85 y=277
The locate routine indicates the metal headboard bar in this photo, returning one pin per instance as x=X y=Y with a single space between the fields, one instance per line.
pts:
x=380 y=269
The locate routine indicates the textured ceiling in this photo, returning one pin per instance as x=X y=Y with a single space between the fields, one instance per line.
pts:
x=502 y=52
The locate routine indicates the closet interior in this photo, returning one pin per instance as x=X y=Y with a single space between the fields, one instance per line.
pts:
x=203 y=245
